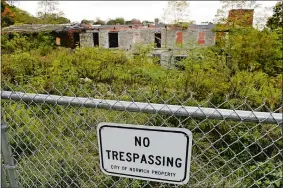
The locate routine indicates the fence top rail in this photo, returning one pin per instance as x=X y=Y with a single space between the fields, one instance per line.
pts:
x=152 y=108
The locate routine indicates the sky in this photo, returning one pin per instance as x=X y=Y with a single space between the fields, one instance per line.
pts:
x=200 y=11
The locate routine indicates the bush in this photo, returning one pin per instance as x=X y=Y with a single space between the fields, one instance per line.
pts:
x=45 y=135
x=17 y=43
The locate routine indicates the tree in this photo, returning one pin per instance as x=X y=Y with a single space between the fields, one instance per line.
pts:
x=118 y=20
x=176 y=11
x=244 y=4
x=13 y=3
x=111 y=22
x=135 y=21
x=50 y=13
x=52 y=19
x=99 y=21
x=128 y=22
x=13 y=15
x=253 y=50
x=48 y=6
x=145 y=22
x=275 y=21
x=7 y=16
x=88 y=22
x=24 y=17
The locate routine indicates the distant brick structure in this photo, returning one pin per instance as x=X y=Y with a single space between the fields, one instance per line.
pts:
x=241 y=17
x=124 y=37
x=163 y=35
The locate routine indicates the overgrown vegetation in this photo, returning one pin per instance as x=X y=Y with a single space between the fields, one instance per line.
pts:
x=54 y=145
x=16 y=43
x=11 y=15
x=248 y=74
x=205 y=71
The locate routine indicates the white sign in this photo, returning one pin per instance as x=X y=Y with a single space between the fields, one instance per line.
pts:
x=160 y=154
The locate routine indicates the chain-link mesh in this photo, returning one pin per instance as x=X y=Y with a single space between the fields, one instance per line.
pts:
x=54 y=141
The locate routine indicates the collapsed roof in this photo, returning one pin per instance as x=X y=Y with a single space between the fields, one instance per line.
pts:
x=35 y=28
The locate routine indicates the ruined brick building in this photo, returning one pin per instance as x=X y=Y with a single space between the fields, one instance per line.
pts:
x=163 y=36
x=167 y=38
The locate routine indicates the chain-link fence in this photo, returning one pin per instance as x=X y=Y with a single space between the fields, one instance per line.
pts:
x=53 y=137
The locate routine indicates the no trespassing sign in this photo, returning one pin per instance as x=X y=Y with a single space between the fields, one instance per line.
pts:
x=160 y=154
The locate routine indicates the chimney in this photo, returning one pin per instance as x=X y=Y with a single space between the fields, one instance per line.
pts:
x=156 y=21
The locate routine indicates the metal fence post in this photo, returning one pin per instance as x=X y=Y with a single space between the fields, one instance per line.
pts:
x=8 y=157
x=3 y=177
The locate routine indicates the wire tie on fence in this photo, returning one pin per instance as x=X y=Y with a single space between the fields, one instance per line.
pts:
x=10 y=167
x=10 y=96
x=4 y=127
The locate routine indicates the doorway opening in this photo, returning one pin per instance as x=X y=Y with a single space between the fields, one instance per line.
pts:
x=95 y=39
x=76 y=39
x=113 y=40
x=157 y=40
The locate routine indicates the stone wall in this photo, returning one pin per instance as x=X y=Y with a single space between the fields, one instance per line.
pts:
x=170 y=38
x=86 y=39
